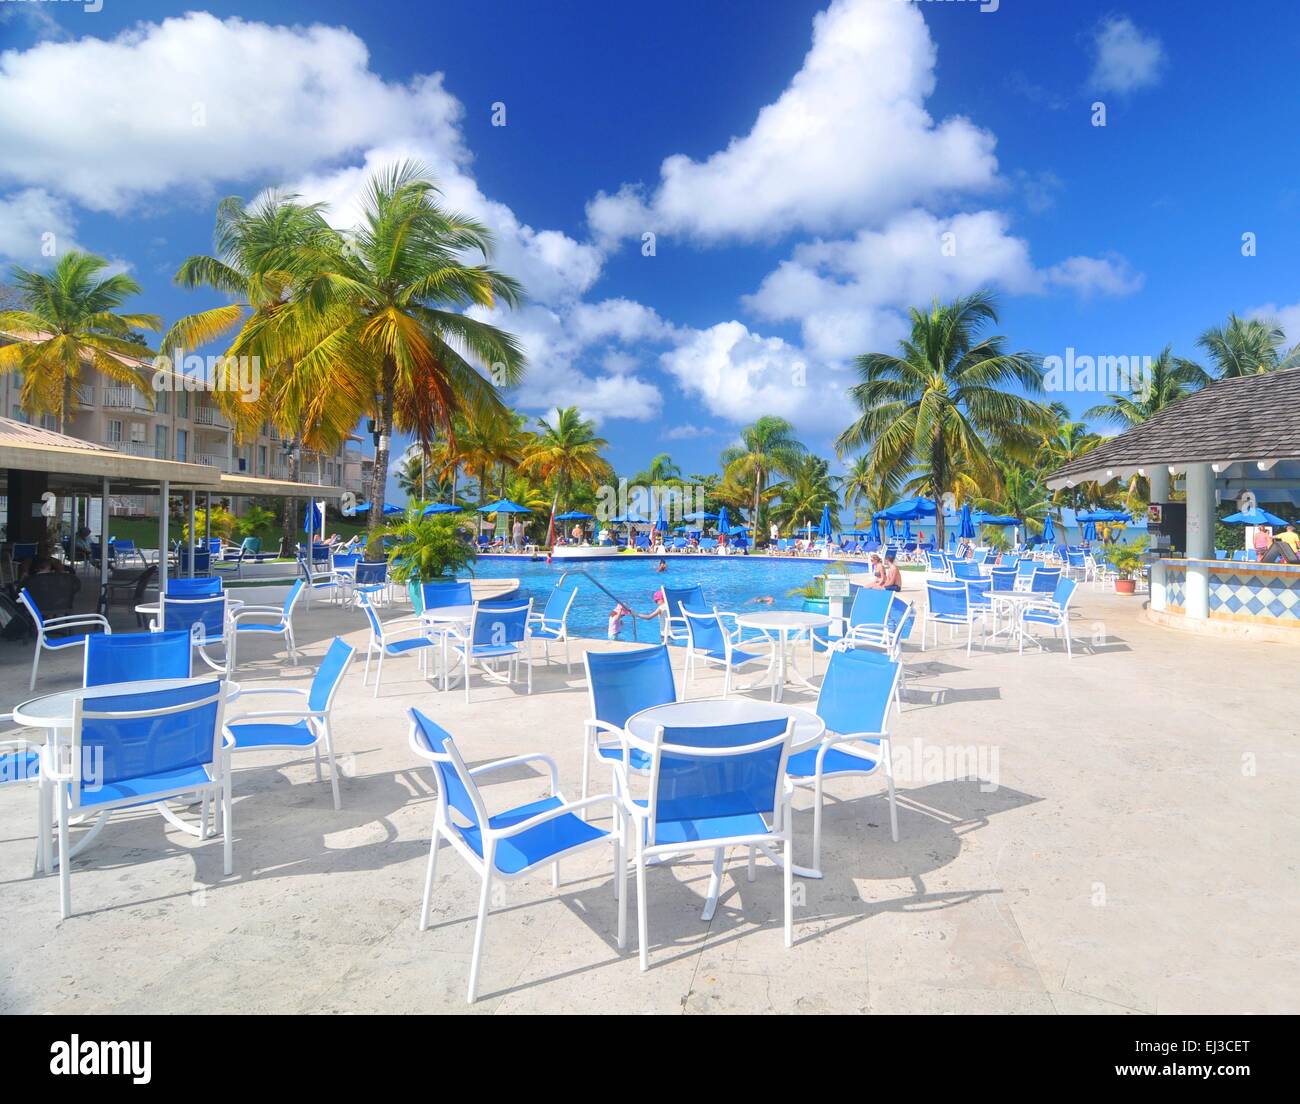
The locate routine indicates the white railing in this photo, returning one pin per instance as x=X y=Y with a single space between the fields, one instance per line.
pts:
x=209 y=416
x=131 y=448
x=212 y=460
x=124 y=398
x=84 y=393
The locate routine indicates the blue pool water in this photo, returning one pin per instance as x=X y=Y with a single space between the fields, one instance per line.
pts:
x=729 y=583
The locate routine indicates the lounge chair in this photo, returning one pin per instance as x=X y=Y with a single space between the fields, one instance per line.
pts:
x=50 y=631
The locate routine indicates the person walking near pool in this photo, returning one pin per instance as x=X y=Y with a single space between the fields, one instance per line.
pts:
x=517 y=535
x=576 y=533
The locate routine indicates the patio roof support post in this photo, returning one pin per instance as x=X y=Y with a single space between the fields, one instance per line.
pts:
x=207 y=520
x=103 y=540
x=194 y=537
x=72 y=542
x=164 y=500
x=1200 y=539
x=1158 y=477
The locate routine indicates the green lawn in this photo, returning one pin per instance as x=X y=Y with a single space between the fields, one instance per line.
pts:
x=144 y=531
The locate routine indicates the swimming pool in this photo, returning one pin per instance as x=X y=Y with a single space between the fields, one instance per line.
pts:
x=729 y=582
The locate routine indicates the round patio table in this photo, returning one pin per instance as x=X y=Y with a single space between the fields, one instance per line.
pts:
x=778 y=625
x=444 y=618
x=54 y=714
x=708 y=712
x=1014 y=601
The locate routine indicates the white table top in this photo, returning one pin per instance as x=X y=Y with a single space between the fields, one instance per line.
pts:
x=706 y=712
x=55 y=710
x=448 y=613
x=782 y=620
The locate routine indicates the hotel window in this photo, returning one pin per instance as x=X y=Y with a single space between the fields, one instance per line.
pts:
x=138 y=436
x=160 y=402
x=261 y=459
x=160 y=442
x=183 y=403
x=114 y=432
x=182 y=440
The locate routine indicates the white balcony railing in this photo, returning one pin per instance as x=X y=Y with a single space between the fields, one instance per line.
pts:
x=124 y=398
x=131 y=448
x=84 y=394
x=210 y=416
x=212 y=460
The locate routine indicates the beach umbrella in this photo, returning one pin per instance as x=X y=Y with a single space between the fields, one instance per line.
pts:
x=440 y=508
x=907 y=530
x=312 y=518
x=504 y=506
x=1089 y=532
x=965 y=524
x=824 y=527
x=875 y=530
x=573 y=515
x=723 y=521
x=892 y=530
x=392 y=511
x=701 y=515
x=910 y=509
x=1049 y=530
x=1253 y=517
x=629 y=519
x=661 y=520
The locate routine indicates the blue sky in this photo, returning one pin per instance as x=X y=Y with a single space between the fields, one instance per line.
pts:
x=820 y=152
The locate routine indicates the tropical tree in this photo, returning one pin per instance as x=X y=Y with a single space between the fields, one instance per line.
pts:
x=425 y=548
x=1021 y=494
x=767 y=447
x=1169 y=379
x=378 y=319
x=810 y=489
x=1067 y=441
x=1246 y=346
x=939 y=403
x=567 y=452
x=68 y=318
x=661 y=470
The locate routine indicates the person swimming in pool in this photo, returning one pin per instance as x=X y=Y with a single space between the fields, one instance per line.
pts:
x=661 y=566
x=765 y=600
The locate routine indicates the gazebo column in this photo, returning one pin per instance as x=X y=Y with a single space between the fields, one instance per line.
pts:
x=1200 y=539
x=1158 y=477
x=164 y=501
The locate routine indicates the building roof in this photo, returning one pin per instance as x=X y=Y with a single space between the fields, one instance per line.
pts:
x=1254 y=418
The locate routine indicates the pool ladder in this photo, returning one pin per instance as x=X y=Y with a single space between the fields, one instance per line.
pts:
x=604 y=590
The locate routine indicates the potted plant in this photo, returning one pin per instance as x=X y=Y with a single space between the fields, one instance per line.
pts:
x=1129 y=560
x=424 y=549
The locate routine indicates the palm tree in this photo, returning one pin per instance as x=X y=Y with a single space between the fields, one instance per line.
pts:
x=482 y=445
x=1170 y=378
x=858 y=487
x=939 y=403
x=68 y=318
x=566 y=452
x=661 y=470
x=1067 y=441
x=376 y=321
x=1246 y=346
x=768 y=447
x=1020 y=494
x=809 y=489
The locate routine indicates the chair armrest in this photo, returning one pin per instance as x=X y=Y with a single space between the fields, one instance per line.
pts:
x=515 y=760
x=273 y=690
x=260 y=714
x=551 y=814
x=278 y=611
x=66 y=622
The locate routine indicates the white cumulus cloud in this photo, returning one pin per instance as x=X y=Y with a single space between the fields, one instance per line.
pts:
x=1127 y=58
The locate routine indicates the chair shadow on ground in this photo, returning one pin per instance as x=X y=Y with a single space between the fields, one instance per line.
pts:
x=933 y=819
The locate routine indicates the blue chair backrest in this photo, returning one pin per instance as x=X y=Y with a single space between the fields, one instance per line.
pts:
x=1003 y=579
x=1242 y=554
x=745 y=781
x=981 y=556
x=137 y=657
x=372 y=572
x=947 y=598
x=251 y=545
x=171 y=731
x=857 y=691
x=870 y=605
x=376 y=628
x=26 y=598
x=977 y=592
x=674 y=597
x=182 y=614
x=1045 y=580
x=456 y=786
x=440 y=594
x=345 y=560
x=120 y=544
x=194 y=588
x=705 y=629
x=214 y=546
x=623 y=683
x=900 y=610
x=1220 y=553
x=291 y=598
x=26 y=551
x=558 y=602
x=499 y=624
x=937 y=562
x=1074 y=559
x=328 y=676
x=1064 y=592
x=966 y=570
x=202 y=561
x=1026 y=568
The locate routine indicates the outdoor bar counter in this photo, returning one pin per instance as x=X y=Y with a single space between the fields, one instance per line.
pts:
x=1253 y=596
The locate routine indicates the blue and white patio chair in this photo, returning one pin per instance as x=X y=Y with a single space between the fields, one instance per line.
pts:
x=710 y=789
x=398 y=636
x=1044 y=580
x=138 y=657
x=371 y=579
x=982 y=555
x=1025 y=572
x=498 y=635
x=343 y=566
x=231 y=561
x=272 y=621
x=1053 y=613
x=937 y=563
x=674 y=623
x=966 y=569
x=946 y=604
x=708 y=640
x=853 y=701
x=319 y=577
x=140 y=749
x=512 y=843
x=195 y=588
x=205 y=617
x=49 y=631
x=202 y=562
x=977 y=597
x=620 y=684
x=552 y=624
x=298 y=729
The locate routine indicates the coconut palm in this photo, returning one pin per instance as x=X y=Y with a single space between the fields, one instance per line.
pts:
x=661 y=470
x=810 y=488
x=1169 y=379
x=939 y=403
x=377 y=320
x=1021 y=494
x=66 y=319
x=1067 y=441
x=768 y=447
x=567 y=452
x=1246 y=346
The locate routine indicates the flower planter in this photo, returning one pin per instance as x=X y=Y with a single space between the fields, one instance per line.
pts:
x=1125 y=586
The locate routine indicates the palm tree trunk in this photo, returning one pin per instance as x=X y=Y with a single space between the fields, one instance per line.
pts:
x=379 y=477
x=286 y=529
